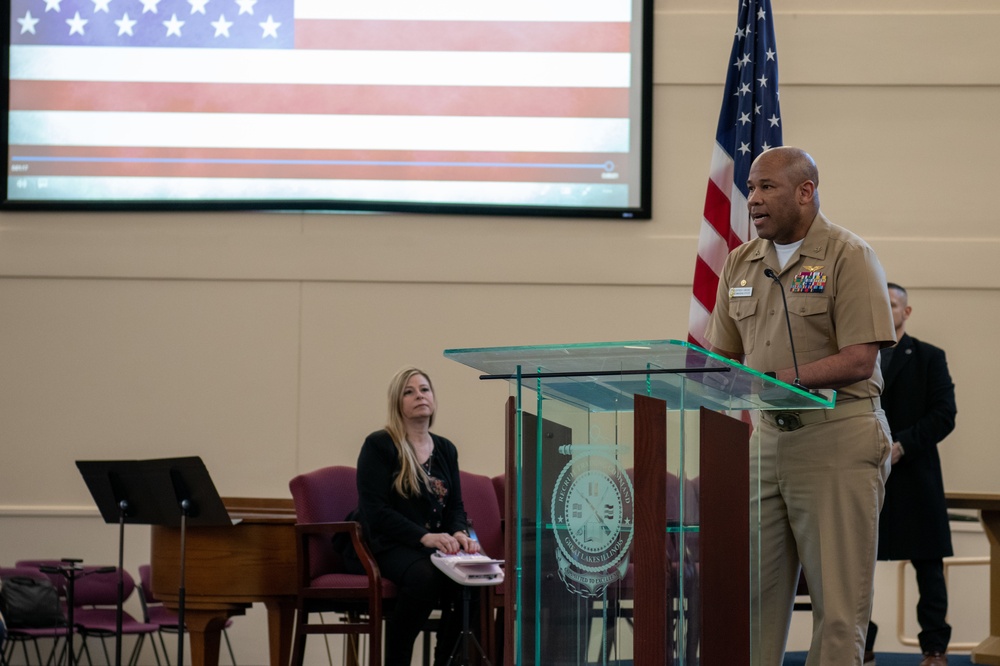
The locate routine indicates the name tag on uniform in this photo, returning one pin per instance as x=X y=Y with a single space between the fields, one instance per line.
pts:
x=740 y=292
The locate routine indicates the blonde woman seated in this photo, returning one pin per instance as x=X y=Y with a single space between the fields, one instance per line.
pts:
x=411 y=506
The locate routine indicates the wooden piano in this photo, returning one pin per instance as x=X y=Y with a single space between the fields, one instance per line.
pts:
x=229 y=568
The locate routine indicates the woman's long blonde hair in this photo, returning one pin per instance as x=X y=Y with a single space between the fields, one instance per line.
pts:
x=411 y=475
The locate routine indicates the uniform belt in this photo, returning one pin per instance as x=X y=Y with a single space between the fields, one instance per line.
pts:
x=788 y=421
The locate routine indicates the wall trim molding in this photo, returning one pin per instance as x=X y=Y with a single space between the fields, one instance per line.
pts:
x=47 y=511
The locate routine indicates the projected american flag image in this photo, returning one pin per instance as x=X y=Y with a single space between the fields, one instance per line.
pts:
x=227 y=99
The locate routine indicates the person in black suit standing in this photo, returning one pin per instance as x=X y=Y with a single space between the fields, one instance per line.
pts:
x=919 y=402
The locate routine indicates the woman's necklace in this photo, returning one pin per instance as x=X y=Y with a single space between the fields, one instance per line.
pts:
x=426 y=443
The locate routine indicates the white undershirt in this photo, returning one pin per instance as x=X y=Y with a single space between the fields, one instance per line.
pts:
x=785 y=252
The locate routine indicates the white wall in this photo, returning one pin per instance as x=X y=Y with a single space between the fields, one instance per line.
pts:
x=263 y=342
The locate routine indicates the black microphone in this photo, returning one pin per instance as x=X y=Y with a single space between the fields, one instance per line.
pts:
x=788 y=322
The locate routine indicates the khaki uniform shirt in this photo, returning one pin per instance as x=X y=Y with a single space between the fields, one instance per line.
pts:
x=837 y=297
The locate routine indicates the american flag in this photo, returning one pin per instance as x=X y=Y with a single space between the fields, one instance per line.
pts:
x=338 y=98
x=749 y=123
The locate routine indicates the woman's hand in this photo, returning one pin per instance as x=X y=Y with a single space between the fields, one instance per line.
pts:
x=445 y=543
x=450 y=543
x=467 y=543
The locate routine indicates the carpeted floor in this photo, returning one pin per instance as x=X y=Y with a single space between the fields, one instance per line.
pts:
x=881 y=659
x=886 y=659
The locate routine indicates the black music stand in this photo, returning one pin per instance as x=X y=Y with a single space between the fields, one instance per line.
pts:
x=466 y=638
x=172 y=492
x=71 y=569
x=472 y=572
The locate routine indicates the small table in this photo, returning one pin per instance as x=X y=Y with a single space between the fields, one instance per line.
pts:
x=988 y=505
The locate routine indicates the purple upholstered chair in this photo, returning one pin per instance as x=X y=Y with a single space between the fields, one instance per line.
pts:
x=95 y=612
x=323 y=498
x=479 y=494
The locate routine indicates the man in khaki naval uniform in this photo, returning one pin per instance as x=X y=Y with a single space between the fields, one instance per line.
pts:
x=822 y=473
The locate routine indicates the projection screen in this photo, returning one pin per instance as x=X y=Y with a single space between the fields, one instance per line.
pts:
x=530 y=107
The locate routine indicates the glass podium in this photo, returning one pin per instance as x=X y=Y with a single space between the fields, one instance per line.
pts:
x=629 y=530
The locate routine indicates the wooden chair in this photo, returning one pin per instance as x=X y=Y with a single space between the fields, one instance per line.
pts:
x=323 y=499
x=620 y=596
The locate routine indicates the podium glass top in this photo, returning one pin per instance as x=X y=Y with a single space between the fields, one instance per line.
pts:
x=604 y=376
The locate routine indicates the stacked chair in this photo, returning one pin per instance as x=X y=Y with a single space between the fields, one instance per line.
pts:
x=94 y=613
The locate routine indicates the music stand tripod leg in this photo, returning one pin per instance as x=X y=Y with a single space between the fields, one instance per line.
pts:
x=466 y=636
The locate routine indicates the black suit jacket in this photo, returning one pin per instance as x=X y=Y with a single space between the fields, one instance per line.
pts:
x=919 y=402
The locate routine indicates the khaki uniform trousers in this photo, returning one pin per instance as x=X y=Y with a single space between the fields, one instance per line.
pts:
x=821 y=489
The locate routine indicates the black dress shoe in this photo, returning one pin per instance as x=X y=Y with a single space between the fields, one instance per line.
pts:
x=934 y=659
